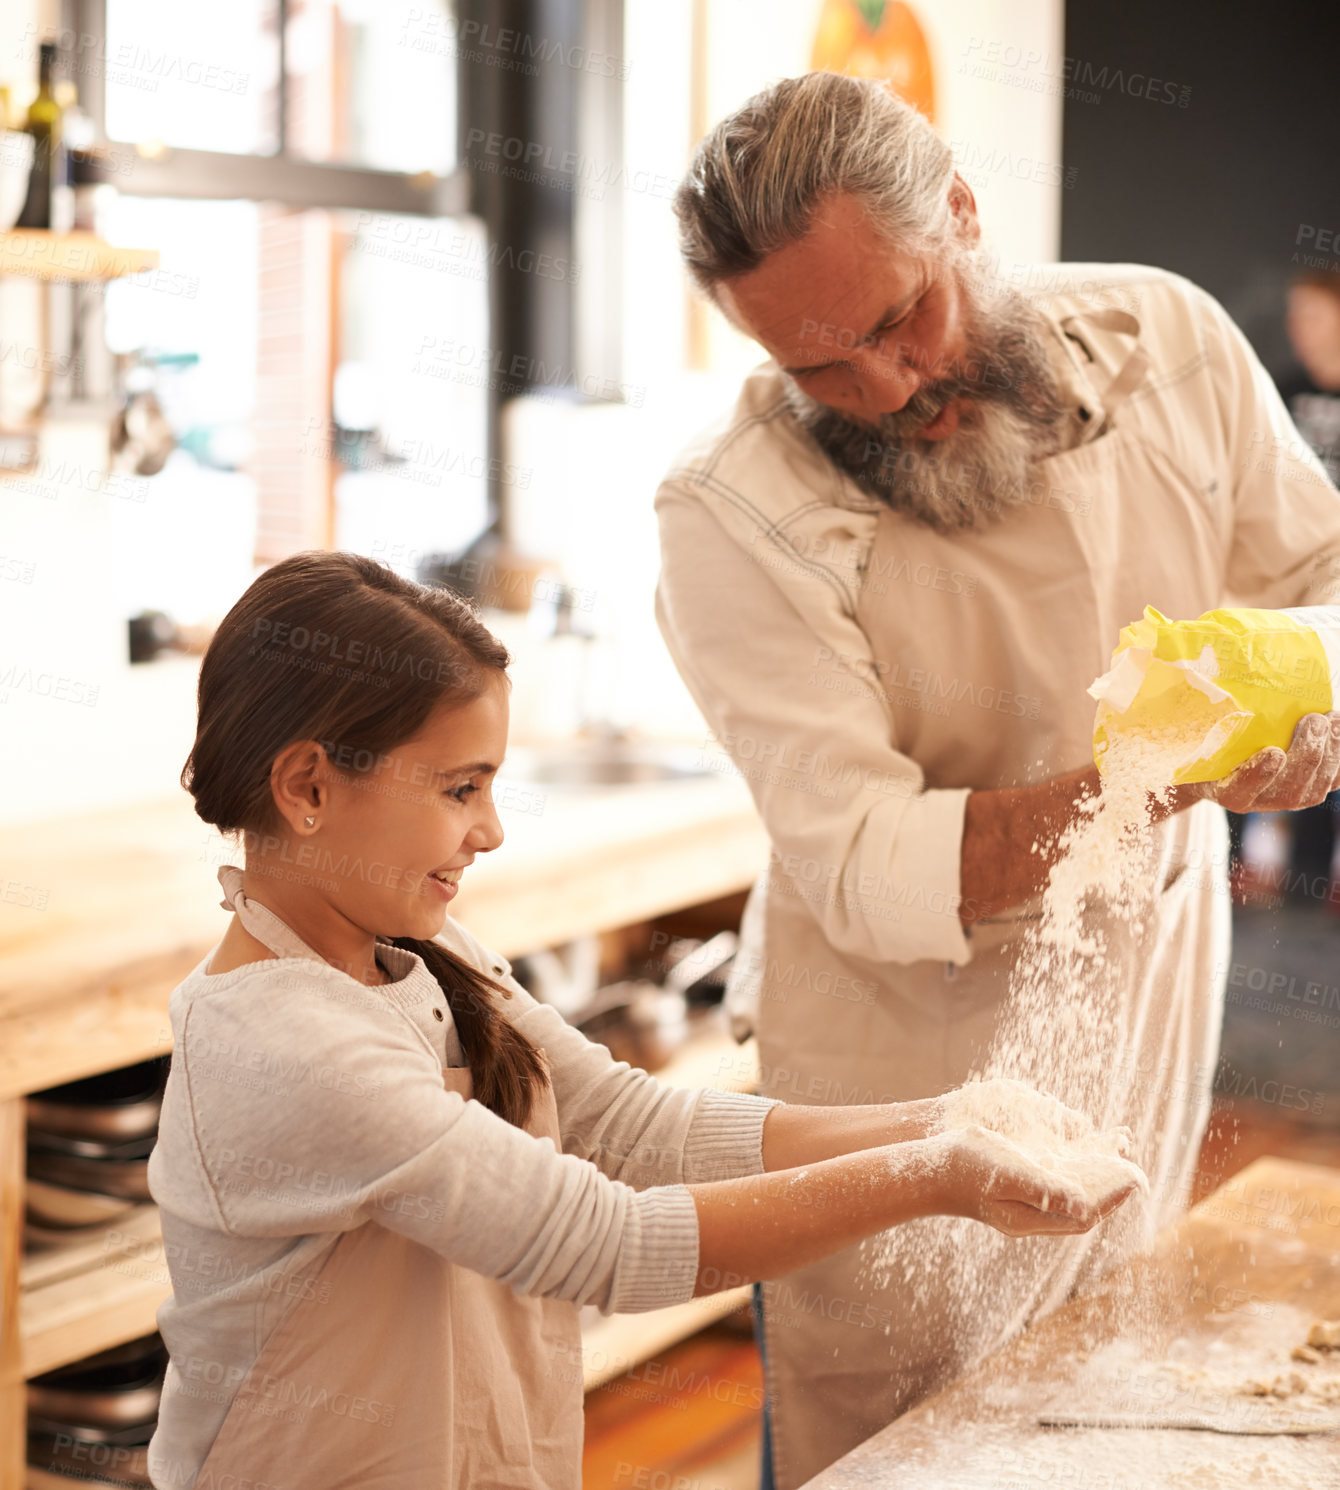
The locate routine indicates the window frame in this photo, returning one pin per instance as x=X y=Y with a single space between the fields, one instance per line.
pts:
x=592 y=331
x=290 y=180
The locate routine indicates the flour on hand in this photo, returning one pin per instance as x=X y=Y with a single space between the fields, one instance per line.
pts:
x=1017 y=1128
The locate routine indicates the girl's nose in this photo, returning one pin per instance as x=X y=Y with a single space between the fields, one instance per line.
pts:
x=487 y=832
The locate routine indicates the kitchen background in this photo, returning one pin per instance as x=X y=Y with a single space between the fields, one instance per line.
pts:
x=402 y=278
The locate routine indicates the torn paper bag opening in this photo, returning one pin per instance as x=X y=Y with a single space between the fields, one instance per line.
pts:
x=1232 y=682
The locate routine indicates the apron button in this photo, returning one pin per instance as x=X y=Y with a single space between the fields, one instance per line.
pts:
x=437 y=1013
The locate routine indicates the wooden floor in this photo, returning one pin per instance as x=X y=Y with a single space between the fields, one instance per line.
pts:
x=689 y=1420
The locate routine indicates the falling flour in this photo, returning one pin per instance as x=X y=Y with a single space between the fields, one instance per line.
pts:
x=1062 y=1024
x=1064 y=1030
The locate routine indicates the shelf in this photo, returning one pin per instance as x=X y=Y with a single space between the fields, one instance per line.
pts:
x=70 y=256
x=43 y=1266
x=104 y=1292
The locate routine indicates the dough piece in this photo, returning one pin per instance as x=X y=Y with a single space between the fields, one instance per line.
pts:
x=1277 y=1386
x=1305 y=1353
x=1325 y=1334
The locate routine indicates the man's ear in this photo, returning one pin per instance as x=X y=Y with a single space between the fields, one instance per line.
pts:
x=963 y=210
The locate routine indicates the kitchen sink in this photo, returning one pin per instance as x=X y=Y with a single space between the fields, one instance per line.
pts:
x=588 y=766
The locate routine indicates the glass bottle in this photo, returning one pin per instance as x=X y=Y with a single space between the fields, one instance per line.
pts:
x=43 y=123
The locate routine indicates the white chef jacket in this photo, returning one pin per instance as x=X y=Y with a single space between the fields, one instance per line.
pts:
x=765 y=544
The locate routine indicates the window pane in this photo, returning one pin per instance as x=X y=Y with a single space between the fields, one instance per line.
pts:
x=183 y=541
x=200 y=77
x=370 y=82
x=373 y=83
x=201 y=301
x=411 y=388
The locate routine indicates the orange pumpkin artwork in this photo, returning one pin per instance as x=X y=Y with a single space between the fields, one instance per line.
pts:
x=876 y=39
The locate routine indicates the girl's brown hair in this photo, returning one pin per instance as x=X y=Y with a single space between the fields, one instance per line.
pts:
x=337 y=648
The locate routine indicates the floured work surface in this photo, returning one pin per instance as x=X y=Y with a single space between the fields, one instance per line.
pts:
x=1193 y=1330
x=1249 y=1370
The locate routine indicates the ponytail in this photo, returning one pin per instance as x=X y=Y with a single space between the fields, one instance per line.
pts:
x=506 y=1069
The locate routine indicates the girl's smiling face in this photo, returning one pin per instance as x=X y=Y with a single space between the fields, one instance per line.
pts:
x=389 y=843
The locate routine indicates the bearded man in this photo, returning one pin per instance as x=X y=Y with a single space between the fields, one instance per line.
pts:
x=888 y=578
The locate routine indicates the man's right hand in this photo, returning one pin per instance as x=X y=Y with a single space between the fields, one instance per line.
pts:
x=1274 y=780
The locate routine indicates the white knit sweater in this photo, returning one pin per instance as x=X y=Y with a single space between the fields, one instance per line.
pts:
x=301 y=1103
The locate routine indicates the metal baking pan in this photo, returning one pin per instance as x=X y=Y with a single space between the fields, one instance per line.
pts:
x=133 y=1363
x=58 y=1410
x=92 y=1148
x=60 y=1207
x=126 y=1178
x=114 y=1456
x=112 y=1105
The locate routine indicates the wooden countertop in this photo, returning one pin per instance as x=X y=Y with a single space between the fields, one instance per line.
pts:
x=1250 y=1262
x=102 y=915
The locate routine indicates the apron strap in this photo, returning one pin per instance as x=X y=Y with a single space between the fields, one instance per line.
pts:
x=261 y=922
x=1131 y=372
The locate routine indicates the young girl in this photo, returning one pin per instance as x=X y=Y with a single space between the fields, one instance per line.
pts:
x=387 y=1176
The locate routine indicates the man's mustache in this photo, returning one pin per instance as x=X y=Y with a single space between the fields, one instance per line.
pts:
x=930 y=399
x=908 y=422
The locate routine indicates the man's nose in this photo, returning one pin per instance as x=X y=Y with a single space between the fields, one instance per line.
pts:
x=883 y=385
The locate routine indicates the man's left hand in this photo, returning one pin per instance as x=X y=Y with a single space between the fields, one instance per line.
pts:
x=1275 y=781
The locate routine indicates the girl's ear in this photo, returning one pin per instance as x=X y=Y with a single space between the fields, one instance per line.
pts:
x=299 y=787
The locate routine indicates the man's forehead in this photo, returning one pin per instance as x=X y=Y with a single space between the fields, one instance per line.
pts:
x=803 y=317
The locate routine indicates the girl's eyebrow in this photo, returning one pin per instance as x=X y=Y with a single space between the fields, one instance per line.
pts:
x=474 y=770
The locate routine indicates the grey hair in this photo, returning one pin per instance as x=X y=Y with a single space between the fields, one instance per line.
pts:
x=755 y=181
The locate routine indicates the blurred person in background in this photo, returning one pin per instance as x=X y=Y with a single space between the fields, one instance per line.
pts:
x=1292 y=856
x=1313 y=399
x=1313 y=396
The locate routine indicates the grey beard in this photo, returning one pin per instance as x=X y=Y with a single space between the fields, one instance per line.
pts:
x=980 y=472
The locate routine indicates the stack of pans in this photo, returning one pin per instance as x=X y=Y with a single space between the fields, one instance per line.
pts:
x=88 y=1150
x=92 y=1420
x=88 y=1159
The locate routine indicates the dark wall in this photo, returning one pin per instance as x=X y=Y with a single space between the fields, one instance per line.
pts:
x=1224 y=171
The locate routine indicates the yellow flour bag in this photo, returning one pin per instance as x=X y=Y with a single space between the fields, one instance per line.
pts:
x=1231 y=682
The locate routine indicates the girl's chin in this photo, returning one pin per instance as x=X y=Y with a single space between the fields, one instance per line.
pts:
x=422 y=923
x=433 y=914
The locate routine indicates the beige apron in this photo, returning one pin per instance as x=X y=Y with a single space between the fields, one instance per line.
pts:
x=848 y=1345
x=408 y=1372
